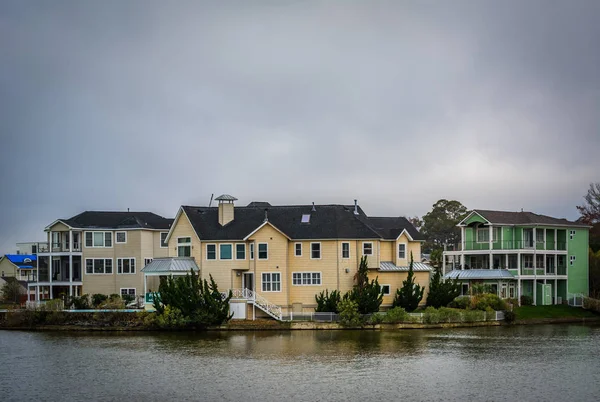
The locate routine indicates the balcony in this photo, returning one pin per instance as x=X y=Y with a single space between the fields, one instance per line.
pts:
x=507 y=245
x=58 y=269
x=62 y=247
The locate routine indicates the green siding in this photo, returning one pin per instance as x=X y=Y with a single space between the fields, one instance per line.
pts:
x=550 y=240
x=578 y=273
x=475 y=219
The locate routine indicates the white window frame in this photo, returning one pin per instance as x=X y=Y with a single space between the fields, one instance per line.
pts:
x=485 y=230
x=572 y=234
x=161 y=240
x=147 y=261
x=270 y=281
x=305 y=218
x=186 y=244
x=103 y=267
x=496 y=234
x=216 y=252
x=311 y=251
x=127 y=293
x=131 y=263
x=405 y=247
x=103 y=239
x=345 y=243
x=526 y=257
x=389 y=292
x=117 y=237
x=252 y=251
x=258 y=251
x=236 y=251
x=363 y=247
x=231 y=248
x=307 y=278
x=296 y=249
x=572 y=260
x=537 y=233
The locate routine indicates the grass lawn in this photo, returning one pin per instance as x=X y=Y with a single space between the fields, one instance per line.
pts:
x=558 y=311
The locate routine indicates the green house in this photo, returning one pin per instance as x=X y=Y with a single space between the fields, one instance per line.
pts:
x=520 y=253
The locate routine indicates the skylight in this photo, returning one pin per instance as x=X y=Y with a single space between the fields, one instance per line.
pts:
x=305 y=218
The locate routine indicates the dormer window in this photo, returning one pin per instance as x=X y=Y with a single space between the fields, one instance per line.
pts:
x=305 y=218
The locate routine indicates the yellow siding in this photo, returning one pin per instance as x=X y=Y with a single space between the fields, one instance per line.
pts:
x=413 y=247
x=7 y=268
x=387 y=251
x=395 y=279
x=183 y=228
x=59 y=227
x=224 y=271
x=157 y=249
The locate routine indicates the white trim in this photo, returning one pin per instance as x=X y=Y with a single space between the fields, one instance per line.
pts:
x=103 y=238
x=236 y=251
x=176 y=220
x=485 y=229
x=311 y=250
x=126 y=258
x=301 y=273
x=186 y=244
x=342 y=256
x=84 y=268
x=405 y=251
x=466 y=218
x=404 y=231
x=251 y=252
x=226 y=244
x=295 y=249
x=389 y=288
x=121 y=291
x=363 y=247
x=117 y=237
x=146 y=259
x=47 y=228
x=258 y=251
x=261 y=226
x=572 y=260
x=160 y=242
x=270 y=281
x=216 y=252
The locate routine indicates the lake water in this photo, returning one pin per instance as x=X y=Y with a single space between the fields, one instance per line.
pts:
x=525 y=363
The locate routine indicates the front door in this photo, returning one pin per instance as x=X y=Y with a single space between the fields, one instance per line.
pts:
x=248 y=281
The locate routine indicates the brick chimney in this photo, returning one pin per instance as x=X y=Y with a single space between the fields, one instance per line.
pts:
x=225 y=208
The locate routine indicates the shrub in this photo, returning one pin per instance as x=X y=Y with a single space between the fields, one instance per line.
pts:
x=98 y=299
x=473 y=316
x=127 y=299
x=328 y=302
x=462 y=302
x=396 y=315
x=376 y=318
x=510 y=316
x=487 y=300
x=431 y=316
x=526 y=300
x=449 y=314
x=79 y=302
x=349 y=316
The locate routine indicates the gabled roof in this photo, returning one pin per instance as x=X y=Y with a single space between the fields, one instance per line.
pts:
x=392 y=228
x=522 y=218
x=326 y=222
x=116 y=220
x=22 y=260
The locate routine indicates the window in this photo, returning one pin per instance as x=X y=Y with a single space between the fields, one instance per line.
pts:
x=465 y=289
x=184 y=247
x=571 y=234
x=315 y=251
x=306 y=278
x=163 y=239
x=211 y=251
x=345 y=250
x=367 y=248
x=23 y=273
x=527 y=261
x=55 y=239
x=240 y=251
x=496 y=234
x=251 y=251
x=127 y=292
x=298 y=249
x=572 y=260
x=511 y=290
x=98 y=239
x=125 y=265
x=121 y=237
x=483 y=235
x=385 y=289
x=225 y=251
x=305 y=218
x=263 y=251
x=539 y=235
x=271 y=281
x=539 y=261
x=402 y=251
x=147 y=261
x=98 y=266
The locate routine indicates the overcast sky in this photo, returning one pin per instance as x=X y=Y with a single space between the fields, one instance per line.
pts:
x=110 y=105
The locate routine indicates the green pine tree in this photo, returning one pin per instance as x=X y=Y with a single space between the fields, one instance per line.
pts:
x=367 y=295
x=410 y=294
x=442 y=292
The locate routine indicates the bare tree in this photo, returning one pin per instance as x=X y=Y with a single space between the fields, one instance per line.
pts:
x=590 y=210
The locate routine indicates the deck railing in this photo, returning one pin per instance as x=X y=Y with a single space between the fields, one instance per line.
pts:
x=506 y=245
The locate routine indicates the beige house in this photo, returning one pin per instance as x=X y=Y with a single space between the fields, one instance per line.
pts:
x=99 y=252
x=275 y=259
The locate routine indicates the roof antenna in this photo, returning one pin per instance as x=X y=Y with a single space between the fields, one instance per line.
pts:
x=521 y=209
x=266 y=215
x=127 y=209
x=211 y=198
x=355 y=207
x=313 y=208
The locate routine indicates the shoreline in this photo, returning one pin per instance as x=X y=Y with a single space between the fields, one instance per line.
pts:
x=268 y=325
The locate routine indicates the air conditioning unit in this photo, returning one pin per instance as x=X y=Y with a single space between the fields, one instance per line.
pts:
x=558 y=300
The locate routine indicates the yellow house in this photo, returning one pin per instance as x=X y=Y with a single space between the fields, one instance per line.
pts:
x=99 y=252
x=275 y=259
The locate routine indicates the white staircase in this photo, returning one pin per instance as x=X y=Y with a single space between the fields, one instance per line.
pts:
x=272 y=309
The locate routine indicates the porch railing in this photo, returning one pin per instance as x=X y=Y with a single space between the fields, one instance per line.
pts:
x=506 y=245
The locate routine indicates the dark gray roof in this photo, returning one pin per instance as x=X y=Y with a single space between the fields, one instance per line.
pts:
x=118 y=220
x=260 y=204
x=390 y=228
x=523 y=218
x=327 y=222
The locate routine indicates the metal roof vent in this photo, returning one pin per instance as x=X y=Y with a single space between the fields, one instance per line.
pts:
x=313 y=208
x=355 y=207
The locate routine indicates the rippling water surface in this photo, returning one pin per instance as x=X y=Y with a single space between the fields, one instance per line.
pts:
x=527 y=363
